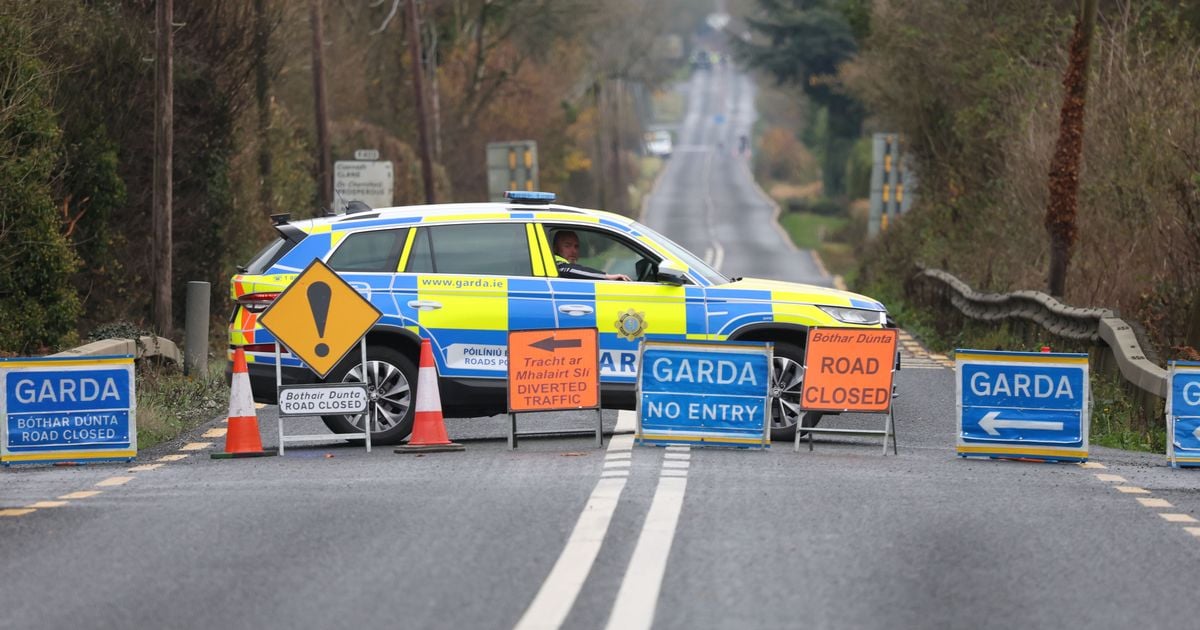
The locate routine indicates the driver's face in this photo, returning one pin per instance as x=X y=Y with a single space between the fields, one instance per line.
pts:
x=568 y=247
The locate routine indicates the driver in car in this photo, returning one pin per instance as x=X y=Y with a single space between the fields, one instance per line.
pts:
x=566 y=257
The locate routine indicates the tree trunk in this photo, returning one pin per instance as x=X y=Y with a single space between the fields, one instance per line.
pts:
x=324 y=166
x=414 y=49
x=1068 y=151
x=164 y=138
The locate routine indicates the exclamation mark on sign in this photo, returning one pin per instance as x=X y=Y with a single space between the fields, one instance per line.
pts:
x=318 y=301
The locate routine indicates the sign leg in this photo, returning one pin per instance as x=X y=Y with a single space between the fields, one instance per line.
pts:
x=599 y=428
x=512 y=431
x=367 y=415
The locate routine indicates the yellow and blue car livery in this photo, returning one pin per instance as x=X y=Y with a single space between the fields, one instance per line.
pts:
x=467 y=312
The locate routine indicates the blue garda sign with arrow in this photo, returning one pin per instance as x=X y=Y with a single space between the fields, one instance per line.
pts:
x=1030 y=405
x=1183 y=413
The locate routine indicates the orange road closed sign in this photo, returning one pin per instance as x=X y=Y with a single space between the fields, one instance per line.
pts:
x=849 y=369
x=553 y=369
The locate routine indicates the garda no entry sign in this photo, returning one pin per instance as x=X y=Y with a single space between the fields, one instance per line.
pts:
x=67 y=410
x=1024 y=404
x=1183 y=414
x=704 y=394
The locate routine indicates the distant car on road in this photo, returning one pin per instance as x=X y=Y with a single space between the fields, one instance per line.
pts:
x=658 y=143
x=464 y=275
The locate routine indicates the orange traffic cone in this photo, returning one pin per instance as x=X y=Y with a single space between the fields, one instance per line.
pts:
x=241 y=438
x=429 y=430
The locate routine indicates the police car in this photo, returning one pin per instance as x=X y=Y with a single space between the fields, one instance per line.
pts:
x=464 y=275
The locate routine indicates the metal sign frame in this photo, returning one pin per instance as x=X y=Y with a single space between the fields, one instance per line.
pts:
x=1190 y=457
x=700 y=438
x=323 y=437
x=889 y=422
x=513 y=435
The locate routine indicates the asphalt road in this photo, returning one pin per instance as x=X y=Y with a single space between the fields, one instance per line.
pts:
x=561 y=534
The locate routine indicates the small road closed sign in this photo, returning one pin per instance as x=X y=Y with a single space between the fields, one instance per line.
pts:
x=704 y=394
x=1031 y=405
x=1183 y=414
x=67 y=409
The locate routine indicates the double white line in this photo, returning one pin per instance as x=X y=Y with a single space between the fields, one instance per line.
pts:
x=638 y=597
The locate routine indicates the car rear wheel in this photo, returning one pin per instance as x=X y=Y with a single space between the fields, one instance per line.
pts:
x=787 y=379
x=391 y=378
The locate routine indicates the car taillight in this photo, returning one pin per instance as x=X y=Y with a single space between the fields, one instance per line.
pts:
x=257 y=302
x=260 y=347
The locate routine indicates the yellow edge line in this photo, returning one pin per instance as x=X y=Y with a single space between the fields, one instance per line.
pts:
x=69 y=455
x=1023 y=451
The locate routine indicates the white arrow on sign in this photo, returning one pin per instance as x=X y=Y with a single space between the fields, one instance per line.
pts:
x=991 y=422
x=1197 y=433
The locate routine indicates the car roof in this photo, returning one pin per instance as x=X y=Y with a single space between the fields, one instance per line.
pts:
x=466 y=211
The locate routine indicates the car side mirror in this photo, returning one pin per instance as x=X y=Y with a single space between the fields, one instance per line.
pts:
x=671 y=272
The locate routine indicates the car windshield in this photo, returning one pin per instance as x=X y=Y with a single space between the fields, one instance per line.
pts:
x=695 y=264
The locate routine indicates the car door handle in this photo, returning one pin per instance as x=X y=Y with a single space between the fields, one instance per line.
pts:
x=424 y=305
x=575 y=309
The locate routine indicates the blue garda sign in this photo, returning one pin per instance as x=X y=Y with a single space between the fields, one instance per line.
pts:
x=1183 y=414
x=67 y=409
x=1022 y=404
x=704 y=394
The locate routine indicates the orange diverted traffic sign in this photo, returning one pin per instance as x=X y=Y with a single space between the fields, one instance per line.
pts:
x=319 y=317
x=553 y=369
x=849 y=369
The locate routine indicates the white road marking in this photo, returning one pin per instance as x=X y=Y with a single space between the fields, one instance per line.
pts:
x=557 y=595
x=1177 y=518
x=1131 y=490
x=114 y=481
x=1155 y=503
x=638 y=597
x=626 y=421
x=1108 y=477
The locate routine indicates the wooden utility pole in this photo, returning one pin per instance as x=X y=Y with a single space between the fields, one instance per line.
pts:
x=1068 y=152
x=324 y=161
x=164 y=139
x=262 y=97
x=414 y=50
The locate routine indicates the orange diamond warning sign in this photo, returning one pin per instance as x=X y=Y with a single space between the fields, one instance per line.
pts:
x=319 y=317
x=553 y=369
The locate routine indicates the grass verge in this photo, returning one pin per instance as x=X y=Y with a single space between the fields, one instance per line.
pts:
x=169 y=403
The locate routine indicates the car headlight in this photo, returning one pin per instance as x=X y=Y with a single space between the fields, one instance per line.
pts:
x=854 y=315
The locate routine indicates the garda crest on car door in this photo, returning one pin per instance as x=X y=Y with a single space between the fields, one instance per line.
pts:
x=471 y=283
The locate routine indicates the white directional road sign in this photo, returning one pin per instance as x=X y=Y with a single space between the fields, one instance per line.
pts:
x=1023 y=404
x=1183 y=413
x=367 y=181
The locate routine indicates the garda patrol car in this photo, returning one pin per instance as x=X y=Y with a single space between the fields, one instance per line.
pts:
x=464 y=275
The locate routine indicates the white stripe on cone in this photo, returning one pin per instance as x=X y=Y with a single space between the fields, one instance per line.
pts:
x=241 y=401
x=428 y=397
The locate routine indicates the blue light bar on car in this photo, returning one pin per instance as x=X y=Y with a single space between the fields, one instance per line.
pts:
x=529 y=196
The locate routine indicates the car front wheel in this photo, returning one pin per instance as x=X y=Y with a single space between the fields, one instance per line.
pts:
x=787 y=380
x=391 y=377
